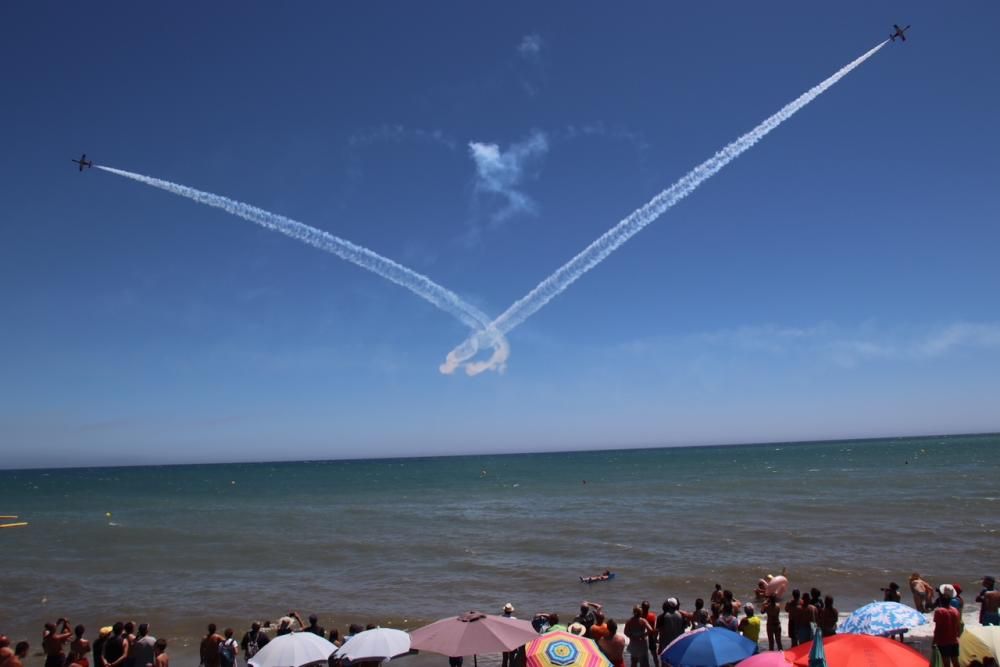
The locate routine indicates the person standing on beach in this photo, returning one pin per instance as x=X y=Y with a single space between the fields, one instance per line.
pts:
x=116 y=647
x=989 y=586
x=651 y=637
x=892 y=593
x=670 y=624
x=254 y=640
x=142 y=649
x=637 y=630
x=790 y=608
x=19 y=655
x=54 y=638
x=130 y=640
x=79 y=648
x=773 y=612
x=991 y=608
x=314 y=626
x=923 y=593
x=229 y=650
x=600 y=627
x=947 y=626
x=727 y=619
x=507 y=657
x=827 y=617
x=613 y=645
x=699 y=617
x=160 y=652
x=97 y=648
x=750 y=626
x=209 y=649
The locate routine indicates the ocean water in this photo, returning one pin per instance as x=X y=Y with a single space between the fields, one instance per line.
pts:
x=406 y=541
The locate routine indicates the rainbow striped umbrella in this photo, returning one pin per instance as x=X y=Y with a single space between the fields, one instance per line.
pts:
x=562 y=649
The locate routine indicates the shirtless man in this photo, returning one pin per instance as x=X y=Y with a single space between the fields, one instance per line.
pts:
x=79 y=648
x=20 y=653
x=991 y=608
x=53 y=640
x=790 y=606
x=6 y=652
x=613 y=645
x=210 y=647
x=989 y=585
x=773 y=612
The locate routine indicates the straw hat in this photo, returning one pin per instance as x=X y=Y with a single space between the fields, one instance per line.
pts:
x=508 y=608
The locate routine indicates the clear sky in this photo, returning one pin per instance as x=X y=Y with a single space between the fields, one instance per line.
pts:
x=840 y=279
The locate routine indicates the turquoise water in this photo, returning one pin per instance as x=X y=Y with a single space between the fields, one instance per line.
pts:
x=407 y=540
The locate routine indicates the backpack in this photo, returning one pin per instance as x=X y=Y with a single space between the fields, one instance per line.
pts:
x=227 y=653
x=252 y=645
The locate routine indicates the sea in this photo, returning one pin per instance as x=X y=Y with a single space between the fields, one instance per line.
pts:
x=402 y=542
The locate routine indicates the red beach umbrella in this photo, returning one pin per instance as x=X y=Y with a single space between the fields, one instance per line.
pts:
x=860 y=651
x=471 y=634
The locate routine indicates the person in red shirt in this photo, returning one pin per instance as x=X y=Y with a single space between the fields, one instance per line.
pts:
x=947 y=622
x=651 y=637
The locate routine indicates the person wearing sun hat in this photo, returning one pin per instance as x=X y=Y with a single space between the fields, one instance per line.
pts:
x=507 y=657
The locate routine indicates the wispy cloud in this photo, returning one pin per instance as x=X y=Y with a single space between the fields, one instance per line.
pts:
x=500 y=173
x=530 y=46
x=847 y=346
x=398 y=133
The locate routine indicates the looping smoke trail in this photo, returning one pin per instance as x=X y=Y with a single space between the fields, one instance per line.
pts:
x=417 y=283
x=612 y=239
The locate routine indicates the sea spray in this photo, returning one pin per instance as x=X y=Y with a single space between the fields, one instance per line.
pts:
x=367 y=259
x=612 y=239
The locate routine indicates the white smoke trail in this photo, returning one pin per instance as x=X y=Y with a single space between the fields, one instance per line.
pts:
x=417 y=283
x=612 y=239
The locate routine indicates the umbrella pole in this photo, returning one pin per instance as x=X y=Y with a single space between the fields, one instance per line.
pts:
x=475 y=660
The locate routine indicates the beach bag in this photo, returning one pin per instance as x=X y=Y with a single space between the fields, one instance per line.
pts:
x=252 y=645
x=227 y=653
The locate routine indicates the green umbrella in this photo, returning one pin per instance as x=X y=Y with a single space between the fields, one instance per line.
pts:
x=817 y=656
x=936 y=660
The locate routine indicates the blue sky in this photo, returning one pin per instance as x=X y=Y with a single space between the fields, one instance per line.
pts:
x=838 y=280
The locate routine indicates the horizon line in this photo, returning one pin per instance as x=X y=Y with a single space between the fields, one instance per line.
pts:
x=925 y=436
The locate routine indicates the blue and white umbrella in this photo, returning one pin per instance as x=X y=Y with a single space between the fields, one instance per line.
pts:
x=881 y=619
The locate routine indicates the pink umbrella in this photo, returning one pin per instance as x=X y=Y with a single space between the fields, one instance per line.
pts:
x=766 y=659
x=471 y=634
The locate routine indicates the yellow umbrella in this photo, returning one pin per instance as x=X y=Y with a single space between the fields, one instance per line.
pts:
x=988 y=636
x=971 y=647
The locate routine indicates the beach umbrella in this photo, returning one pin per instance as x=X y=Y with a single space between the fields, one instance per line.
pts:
x=860 y=651
x=564 y=649
x=375 y=644
x=709 y=647
x=990 y=636
x=972 y=647
x=817 y=656
x=767 y=659
x=881 y=619
x=294 y=650
x=471 y=634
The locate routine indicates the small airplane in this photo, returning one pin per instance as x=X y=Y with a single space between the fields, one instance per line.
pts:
x=83 y=162
x=899 y=33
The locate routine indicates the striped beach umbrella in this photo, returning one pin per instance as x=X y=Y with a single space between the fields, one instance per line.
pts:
x=563 y=649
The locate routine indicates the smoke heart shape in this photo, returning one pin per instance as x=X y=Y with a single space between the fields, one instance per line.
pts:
x=486 y=333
